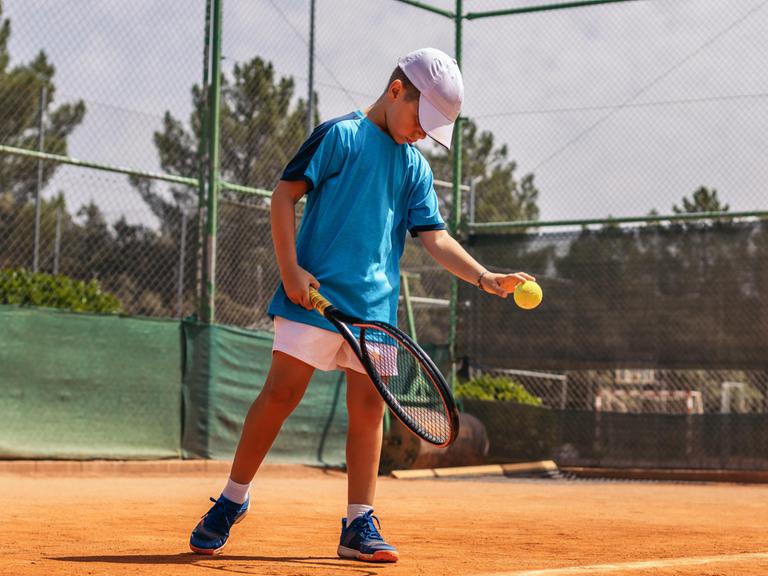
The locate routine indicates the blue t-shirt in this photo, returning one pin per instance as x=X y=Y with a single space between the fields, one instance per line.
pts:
x=365 y=193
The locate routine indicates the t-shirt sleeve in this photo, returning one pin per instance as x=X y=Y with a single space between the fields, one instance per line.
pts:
x=319 y=158
x=423 y=209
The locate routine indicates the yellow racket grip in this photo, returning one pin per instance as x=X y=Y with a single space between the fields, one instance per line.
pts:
x=318 y=301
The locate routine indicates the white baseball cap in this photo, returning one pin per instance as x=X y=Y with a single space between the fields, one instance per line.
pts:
x=437 y=76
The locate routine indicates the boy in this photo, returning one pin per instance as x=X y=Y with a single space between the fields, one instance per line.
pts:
x=366 y=186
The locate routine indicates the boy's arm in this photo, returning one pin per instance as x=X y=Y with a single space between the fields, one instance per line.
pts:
x=296 y=280
x=451 y=256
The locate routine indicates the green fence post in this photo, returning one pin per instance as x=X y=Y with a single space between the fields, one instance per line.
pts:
x=455 y=222
x=201 y=250
x=404 y=276
x=214 y=120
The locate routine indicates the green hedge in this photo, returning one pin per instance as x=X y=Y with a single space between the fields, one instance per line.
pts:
x=487 y=387
x=23 y=288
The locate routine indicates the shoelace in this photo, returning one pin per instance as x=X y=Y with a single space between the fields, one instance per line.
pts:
x=218 y=516
x=368 y=530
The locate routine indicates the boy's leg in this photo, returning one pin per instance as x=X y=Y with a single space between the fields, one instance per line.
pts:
x=285 y=386
x=360 y=538
x=365 y=409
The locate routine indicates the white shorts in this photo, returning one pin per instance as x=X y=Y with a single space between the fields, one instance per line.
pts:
x=325 y=350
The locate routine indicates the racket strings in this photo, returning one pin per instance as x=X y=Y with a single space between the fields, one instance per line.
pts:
x=412 y=386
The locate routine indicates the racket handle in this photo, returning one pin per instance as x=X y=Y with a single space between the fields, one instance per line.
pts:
x=318 y=301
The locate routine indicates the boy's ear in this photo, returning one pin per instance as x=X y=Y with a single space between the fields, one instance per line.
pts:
x=396 y=90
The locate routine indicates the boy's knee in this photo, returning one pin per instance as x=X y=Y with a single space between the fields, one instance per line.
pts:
x=370 y=406
x=282 y=397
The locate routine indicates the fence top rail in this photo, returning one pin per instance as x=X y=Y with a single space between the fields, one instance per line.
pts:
x=472 y=225
x=446 y=184
x=541 y=8
x=123 y=170
x=626 y=220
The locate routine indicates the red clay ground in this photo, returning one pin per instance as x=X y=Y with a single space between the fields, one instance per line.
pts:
x=67 y=522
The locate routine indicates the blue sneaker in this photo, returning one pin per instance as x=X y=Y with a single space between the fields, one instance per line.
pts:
x=361 y=540
x=211 y=533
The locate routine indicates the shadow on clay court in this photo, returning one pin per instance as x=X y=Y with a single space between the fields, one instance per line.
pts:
x=230 y=563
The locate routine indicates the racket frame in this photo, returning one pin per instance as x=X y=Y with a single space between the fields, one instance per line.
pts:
x=342 y=322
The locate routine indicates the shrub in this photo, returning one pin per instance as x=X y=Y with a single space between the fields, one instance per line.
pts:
x=487 y=387
x=23 y=288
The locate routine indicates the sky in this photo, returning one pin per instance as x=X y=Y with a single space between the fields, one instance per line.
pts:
x=616 y=109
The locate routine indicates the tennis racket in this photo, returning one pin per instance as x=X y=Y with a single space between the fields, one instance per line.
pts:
x=407 y=379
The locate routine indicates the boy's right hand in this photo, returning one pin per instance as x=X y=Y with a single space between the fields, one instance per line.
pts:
x=296 y=283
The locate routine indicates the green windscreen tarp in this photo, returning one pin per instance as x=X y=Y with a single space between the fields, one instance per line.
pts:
x=224 y=370
x=88 y=386
x=83 y=386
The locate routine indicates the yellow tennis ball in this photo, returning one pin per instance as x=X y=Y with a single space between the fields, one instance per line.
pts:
x=528 y=295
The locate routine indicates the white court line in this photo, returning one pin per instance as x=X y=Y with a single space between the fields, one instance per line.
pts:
x=603 y=568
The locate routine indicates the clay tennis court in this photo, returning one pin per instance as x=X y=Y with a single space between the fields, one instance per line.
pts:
x=135 y=519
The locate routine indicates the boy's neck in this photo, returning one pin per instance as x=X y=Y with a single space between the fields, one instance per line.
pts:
x=377 y=113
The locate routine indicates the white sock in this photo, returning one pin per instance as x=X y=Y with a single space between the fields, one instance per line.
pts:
x=355 y=510
x=236 y=492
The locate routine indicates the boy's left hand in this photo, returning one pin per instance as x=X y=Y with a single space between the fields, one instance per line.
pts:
x=503 y=284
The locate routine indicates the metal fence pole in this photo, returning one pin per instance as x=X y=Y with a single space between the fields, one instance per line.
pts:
x=57 y=243
x=214 y=183
x=201 y=250
x=259 y=283
x=541 y=8
x=182 y=256
x=455 y=221
x=311 y=95
x=473 y=198
x=39 y=189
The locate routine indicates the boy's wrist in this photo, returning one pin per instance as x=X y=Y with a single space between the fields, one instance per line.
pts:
x=287 y=267
x=288 y=273
x=287 y=264
x=480 y=280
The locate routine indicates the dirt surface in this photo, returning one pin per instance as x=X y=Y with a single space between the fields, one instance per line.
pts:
x=138 y=522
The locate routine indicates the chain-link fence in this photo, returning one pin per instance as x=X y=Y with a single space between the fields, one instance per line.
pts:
x=642 y=391
x=616 y=110
x=681 y=302
x=96 y=231
x=621 y=110
x=74 y=85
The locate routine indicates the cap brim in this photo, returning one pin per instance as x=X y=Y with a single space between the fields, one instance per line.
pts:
x=434 y=123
